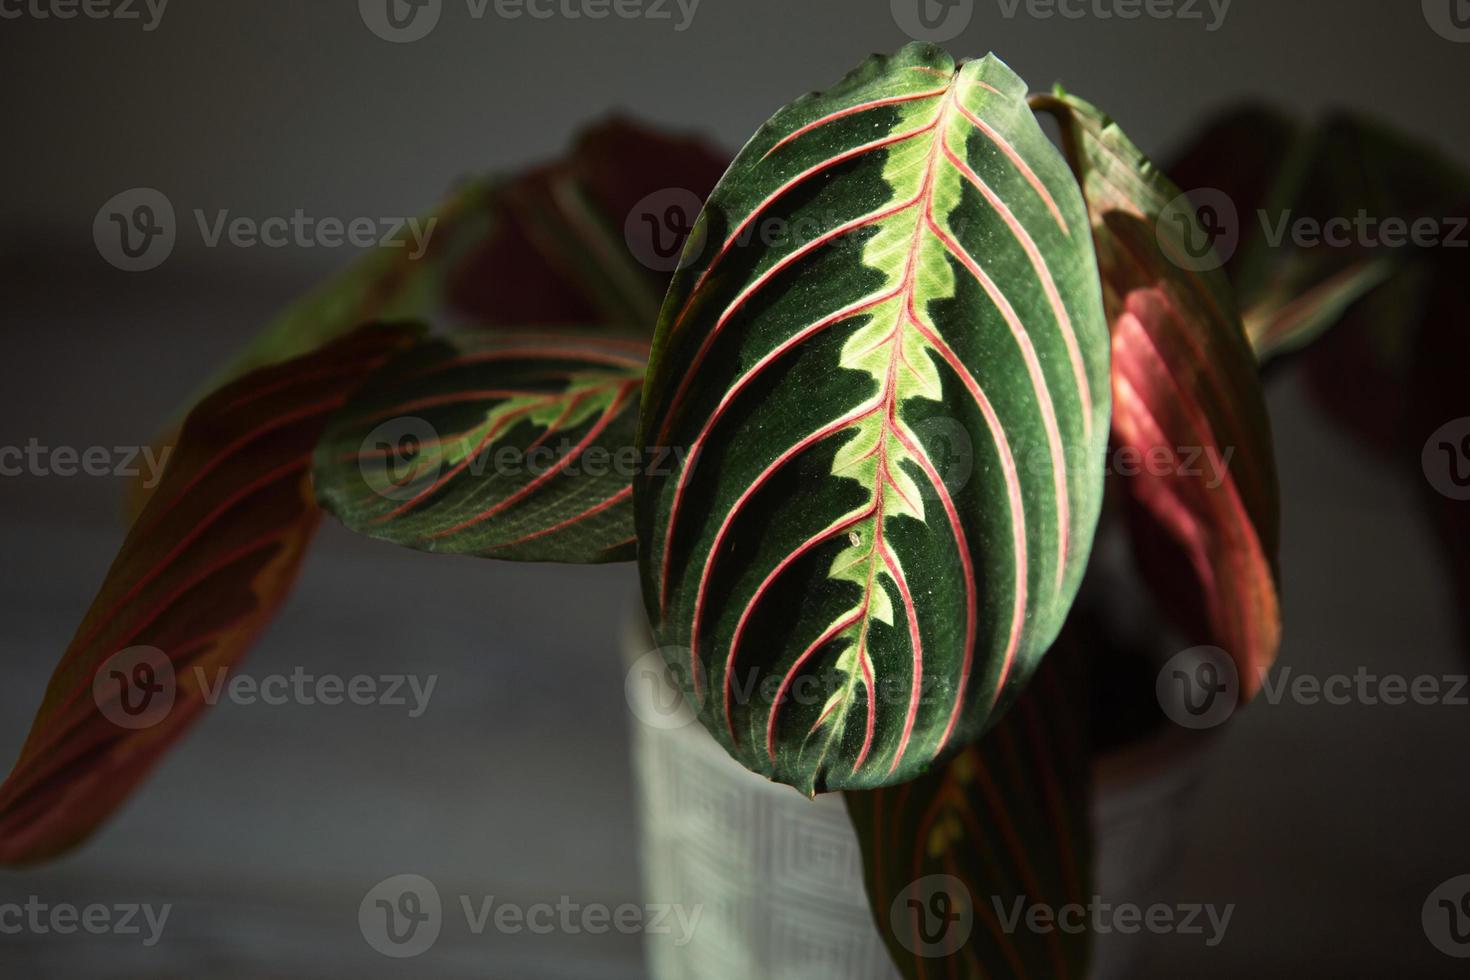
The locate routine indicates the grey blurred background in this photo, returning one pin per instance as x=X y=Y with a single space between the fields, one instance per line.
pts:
x=1327 y=826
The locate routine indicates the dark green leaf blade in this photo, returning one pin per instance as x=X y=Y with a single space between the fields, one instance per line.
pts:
x=956 y=860
x=500 y=445
x=894 y=276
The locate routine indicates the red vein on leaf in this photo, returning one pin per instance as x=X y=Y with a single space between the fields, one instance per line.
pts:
x=155 y=517
x=592 y=511
x=608 y=414
x=827 y=534
x=755 y=286
x=1020 y=164
x=330 y=370
x=888 y=402
x=1048 y=283
x=1038 y=384
x=736 y=389
x=277 y=422
x=292 y=468
x=851 y=111
x=954 y=798
x=916 y=644
x=1018 y=518
x=831 y=633
x=806 y=442
x=871 y=721
x=448 y=398
x=374 y=495
x=995 y=805
x=780 y=192
x=520 y=412
x=64 y=751
x=41 y=752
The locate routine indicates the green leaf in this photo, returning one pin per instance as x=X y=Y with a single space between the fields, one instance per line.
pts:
x=887 y=359
x=1187 y=402
x=502 y=445
x=957 y=860
x=203 y=570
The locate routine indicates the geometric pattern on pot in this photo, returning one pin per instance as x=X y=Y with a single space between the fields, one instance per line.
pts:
x=886 y=363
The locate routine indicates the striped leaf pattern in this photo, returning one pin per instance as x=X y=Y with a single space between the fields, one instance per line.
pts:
x=205 y=567
x=958 y=860
x=886 y=359
x=501 y=445
x=1185 y=386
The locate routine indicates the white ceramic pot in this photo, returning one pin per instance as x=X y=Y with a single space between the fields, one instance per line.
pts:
x=779 y=877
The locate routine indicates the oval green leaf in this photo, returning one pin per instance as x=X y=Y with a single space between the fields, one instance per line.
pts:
x=886 y=358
